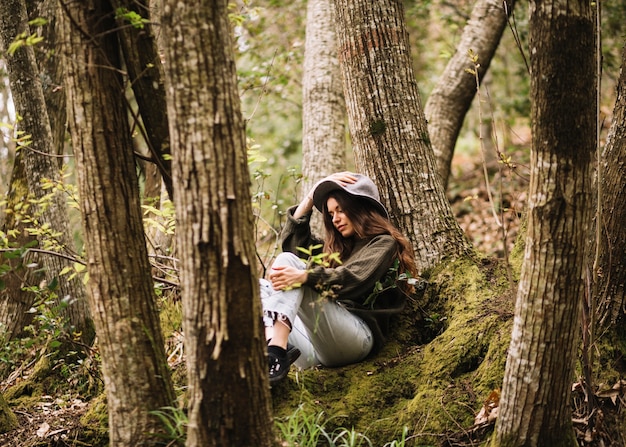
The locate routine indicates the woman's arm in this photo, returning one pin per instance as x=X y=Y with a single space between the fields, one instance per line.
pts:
x=356 y=277
x=306 y=205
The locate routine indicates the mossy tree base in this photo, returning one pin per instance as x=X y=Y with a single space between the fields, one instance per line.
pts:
x=8 y=421
x=446 y=357
x=445 y=361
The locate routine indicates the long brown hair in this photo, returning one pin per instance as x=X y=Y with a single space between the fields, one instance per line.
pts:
x=367 y=222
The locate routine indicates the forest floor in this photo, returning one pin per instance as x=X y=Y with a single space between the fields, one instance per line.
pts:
x=56 y=420
x=49 y=420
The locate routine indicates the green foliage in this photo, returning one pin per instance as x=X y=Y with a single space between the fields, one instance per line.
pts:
x=162 y=218
x=174 y=421
x=53 y=345
x=308 y=427
x=317 y=258
x=23 y=40
x=133 y=18
x=48 y=328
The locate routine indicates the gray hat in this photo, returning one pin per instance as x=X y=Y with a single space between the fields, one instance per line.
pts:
x=363 y=188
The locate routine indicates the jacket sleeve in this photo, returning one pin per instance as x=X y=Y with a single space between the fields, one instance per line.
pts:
x=355 y=278
x=297 y=233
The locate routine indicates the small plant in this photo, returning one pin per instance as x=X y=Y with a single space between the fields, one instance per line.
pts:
x=342 y=437
x=402 y=441
x=304 y=428
x=174 y=422
x=134 y=19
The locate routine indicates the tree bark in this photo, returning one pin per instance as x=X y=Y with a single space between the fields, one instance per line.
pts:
x=535 y=405
x=323 y=107
x=135 y=371
x=610 y=271
x=145 y=71
x=36 y=163
x=388 y=127
x=51 y=72
x=229 y=402
x=452 y=96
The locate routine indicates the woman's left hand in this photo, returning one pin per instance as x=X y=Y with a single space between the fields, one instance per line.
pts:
x=287 y=277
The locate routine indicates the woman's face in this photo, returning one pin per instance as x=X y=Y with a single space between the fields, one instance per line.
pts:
x=341 y=222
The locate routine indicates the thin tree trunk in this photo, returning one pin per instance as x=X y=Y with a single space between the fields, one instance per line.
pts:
x=323 y=107
x=229 y=401
x=388 y=127
x=135 y=371
x=452 y=96
x=610 y=271
x=323 y=117
x=37 y=164
x=535 y=408
x=145 y=71
x=51 y=72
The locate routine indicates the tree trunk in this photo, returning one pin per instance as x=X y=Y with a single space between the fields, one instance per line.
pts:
x=135 y=371
x=323 y=107
x=388 y=127
x=229 y=402
x=145 y=71
x=610 y=271
x=51 y=72
x=452 y=96
x=535 y=406
x=37 y=164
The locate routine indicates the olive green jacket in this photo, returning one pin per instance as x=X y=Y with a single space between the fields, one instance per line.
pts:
x=353 y=283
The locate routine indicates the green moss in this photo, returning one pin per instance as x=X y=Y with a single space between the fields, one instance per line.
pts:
x=171 y=316
x=377 y=127
x=29 y=391
x=96 y=421
x=8 y=421
x=430 y=387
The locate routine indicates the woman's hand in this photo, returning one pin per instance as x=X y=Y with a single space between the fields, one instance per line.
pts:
x=286 y=277
x=306 y=205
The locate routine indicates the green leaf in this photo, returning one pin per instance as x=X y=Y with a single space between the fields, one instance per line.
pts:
x=54 y=283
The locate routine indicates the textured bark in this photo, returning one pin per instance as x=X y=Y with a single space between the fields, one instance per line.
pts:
x=535 y=405
x=323 y=117
x=611 y=268
x=323 y=107
x=145 y=71
x=33 y=164
x=452 y=96
x=50 y=71
x=229 y=401
x=388 y=127
x=135 y=371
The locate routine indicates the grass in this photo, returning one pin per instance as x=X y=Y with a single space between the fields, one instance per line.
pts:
x=306 y=427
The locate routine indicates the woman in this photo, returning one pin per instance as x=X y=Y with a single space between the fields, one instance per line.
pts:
x=327 y=310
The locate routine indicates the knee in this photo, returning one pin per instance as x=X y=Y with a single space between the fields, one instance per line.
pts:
x=288 y=258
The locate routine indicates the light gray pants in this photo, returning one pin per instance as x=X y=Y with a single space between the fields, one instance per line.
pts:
x=325 y=332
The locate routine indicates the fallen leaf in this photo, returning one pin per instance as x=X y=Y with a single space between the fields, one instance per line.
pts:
x=43 y=430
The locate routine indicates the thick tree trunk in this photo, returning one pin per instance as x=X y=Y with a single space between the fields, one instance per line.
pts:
x=452 y=96
x=610 y=271
x=229 y=401
x=535 y=405
x=135 y=371
x=29 y=102
x=388 y=127
x=323 y=107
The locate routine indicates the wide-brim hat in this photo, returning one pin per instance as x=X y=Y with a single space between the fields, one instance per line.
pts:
x=364 y=188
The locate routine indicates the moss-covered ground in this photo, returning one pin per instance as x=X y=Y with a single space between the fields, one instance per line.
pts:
x=446 y=357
